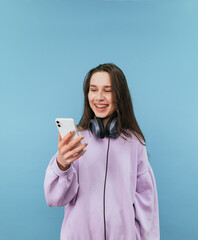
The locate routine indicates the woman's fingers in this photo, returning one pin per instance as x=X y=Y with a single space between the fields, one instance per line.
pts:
x=71 y=145
x=65 y=139
x=74 y=142
x=73 y=158
x=76 y=150
x=69 y=150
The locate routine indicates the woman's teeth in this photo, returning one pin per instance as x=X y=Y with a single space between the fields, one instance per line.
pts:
x=101 y=106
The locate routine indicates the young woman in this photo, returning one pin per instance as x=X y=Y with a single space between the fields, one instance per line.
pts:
x=109 y=190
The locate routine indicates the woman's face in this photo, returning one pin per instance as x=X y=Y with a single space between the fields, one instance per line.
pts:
x=100 y=95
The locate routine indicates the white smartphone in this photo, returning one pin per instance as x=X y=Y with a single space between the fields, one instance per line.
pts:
x=65 y=125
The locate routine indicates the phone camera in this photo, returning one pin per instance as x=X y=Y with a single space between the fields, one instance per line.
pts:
x=57 y=122
x=59 y=125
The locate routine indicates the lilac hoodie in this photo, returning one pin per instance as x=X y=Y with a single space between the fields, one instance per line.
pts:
x=131 y=195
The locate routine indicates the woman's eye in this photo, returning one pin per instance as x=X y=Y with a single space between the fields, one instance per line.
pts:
x=107 y=90
x=93 y=90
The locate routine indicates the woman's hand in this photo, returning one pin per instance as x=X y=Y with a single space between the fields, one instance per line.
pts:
x=68 y=151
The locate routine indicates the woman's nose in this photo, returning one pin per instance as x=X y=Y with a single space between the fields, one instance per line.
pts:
x=100 y=95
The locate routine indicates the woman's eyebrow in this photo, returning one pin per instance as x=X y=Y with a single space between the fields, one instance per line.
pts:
x=106 y=86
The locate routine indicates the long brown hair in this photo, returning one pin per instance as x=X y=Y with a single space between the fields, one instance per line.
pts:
x=121 y=98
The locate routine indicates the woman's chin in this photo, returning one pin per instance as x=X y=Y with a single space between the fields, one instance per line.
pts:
x=101 y=115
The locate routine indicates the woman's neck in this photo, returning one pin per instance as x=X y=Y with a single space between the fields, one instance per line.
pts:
x=105 y=120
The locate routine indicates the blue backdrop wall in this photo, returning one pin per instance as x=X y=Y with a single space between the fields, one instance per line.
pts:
x=46 y=49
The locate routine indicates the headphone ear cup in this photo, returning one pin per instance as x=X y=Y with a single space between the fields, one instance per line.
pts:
x=97 y=128
x=111 y=128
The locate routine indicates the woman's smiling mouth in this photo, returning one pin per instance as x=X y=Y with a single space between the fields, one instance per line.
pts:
x=101 y=107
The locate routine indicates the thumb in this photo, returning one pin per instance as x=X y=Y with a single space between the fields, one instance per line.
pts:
x=59 y=137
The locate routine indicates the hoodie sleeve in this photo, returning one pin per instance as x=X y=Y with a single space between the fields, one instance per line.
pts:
x=146 y=200
x=60 y=187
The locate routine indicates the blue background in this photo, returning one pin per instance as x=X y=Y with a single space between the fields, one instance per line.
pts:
x=46 y=49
